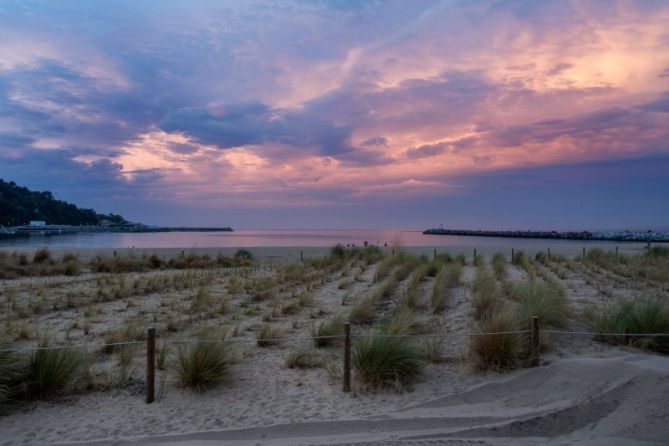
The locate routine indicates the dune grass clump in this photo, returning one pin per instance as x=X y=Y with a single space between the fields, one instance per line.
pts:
x=198 y=366
x=51 y=373
x=268 y=336
x=407 y=264
x=485 y=295
x=447 y=278
x=322 y=332
x=303 y=358
x=363 y=312
x=400 y=323
x=520 y=259
x=497 y=351
x=412 y=294
x=243 y=256
x=545 y=300
x=380 y=361
x=384 y=268
x=499 y=266
x=433 y=350
x=646 y=315
x=12 y=373
x=385 y=290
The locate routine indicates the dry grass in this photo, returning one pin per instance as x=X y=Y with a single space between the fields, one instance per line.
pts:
x=497 y=351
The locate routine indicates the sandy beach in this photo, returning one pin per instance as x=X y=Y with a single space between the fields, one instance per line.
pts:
x=584 y=392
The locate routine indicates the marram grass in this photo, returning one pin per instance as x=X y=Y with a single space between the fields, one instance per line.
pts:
x=381 y=360
x=198 y=366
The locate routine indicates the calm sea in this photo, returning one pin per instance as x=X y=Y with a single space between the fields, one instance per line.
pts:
x=314 y=238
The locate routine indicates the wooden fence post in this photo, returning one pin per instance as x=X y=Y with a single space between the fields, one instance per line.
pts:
x=616 y=251
x=584 y=253
x=534 y=342
x=474 y=255
x=434 y=256
x=347 y=357
x=150 y=364
x=301 y=256
x=548 y=252
x=513 y=254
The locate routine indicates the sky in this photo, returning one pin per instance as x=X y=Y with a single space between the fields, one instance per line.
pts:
x=518 y=114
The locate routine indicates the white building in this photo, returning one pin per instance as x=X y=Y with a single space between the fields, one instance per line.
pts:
x=37 y=223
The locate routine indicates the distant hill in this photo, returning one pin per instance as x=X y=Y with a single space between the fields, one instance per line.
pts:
x=19 y=205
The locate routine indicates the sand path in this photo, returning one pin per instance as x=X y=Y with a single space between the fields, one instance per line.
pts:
x=615 y=399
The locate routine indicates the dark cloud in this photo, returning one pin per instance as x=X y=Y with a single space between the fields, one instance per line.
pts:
x=427 y=150
x=376 y=141
x=253 y=124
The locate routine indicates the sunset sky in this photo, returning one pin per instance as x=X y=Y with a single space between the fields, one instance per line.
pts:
x=307 y=114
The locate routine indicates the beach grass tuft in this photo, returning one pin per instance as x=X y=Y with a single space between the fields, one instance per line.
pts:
x=198 y=366
x=497 y=351
x=379 y=360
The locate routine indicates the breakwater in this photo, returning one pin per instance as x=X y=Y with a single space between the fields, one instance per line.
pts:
x=613 y=236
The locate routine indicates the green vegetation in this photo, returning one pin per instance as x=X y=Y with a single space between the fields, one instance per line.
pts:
x=499 y=266
x=13 y=265
x=324 y=329
x=363 y=311
x=485 y=295
x=432 y=350
x=303 y=358
x=197 y=366
x=268 y=336
x=400 y=323
x=379 y=360
x=51 y=372
x=12 y=377
x=19 y=205
x=447 y=278
x=545 y=300
x=646 y=315
x=497 y=351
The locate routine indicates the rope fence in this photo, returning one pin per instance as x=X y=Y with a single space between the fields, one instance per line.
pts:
x=347 y=337
x=307 y=338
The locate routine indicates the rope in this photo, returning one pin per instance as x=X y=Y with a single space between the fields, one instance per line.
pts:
x=302 y=338
x=63 y=347
x=585 y=333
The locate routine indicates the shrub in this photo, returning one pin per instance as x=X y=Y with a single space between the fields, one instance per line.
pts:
x=649 y=314
x=547 y=301
x=338 y=251
x=42 y=255
x=198 y=366
x=497 y=351
x=303 y=358
x=243 y=255
x=380 y=360
x=51 y=372
x=333 y=327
